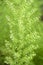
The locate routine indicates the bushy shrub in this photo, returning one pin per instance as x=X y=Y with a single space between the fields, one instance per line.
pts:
x=20 y=32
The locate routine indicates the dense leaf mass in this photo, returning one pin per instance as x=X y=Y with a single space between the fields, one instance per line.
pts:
x=21 y=32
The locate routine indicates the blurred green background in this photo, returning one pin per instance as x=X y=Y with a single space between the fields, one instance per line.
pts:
x=21 y=32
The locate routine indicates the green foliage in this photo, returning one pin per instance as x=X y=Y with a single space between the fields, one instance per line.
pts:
x=21 y=33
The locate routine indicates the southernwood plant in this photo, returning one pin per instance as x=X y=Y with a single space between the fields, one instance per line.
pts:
x=21 y=32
